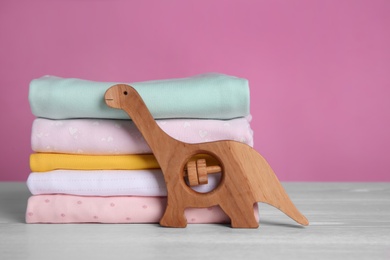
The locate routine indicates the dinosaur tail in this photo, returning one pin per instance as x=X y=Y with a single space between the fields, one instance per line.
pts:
x=284 y=204
x=272 y=192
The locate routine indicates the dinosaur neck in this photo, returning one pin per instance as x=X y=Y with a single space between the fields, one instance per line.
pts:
x=156 y=138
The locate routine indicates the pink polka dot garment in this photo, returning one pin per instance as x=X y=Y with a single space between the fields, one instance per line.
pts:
x=117 y=209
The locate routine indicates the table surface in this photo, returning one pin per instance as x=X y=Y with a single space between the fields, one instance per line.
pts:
x=347 y=221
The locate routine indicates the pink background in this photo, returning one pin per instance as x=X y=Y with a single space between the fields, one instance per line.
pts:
x=319 y=71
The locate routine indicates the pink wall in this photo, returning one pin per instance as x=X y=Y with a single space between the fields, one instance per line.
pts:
x=319 y=71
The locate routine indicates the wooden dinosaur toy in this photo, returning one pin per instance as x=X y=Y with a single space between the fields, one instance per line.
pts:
x=246 y=178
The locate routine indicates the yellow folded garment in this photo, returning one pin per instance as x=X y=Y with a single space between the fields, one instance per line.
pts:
x=42 y=162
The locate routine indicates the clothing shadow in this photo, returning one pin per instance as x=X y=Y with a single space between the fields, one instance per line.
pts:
x=280 y=224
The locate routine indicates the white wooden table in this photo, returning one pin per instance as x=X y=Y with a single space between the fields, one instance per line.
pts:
x=347 y=221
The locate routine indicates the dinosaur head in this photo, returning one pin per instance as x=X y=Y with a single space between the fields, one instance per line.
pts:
x=116 y=95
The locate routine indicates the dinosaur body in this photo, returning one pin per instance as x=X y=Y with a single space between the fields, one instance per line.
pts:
x=246 y=176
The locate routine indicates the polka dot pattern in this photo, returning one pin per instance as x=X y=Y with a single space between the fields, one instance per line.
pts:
x=78 y=209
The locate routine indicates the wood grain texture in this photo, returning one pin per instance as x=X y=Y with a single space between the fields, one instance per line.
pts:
x=201 y=169
x=192 y=173
x=247 y=178
x=347 y=221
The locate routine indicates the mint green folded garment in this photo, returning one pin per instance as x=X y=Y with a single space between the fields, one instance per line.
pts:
x=214 y=96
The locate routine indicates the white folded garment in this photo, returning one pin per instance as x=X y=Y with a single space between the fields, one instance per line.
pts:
x=106 y=183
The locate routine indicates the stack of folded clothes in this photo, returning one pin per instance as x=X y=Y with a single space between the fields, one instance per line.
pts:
x=90 y=162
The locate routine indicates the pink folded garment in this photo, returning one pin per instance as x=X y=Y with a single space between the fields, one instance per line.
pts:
x=78 y=209
x=149 y=182
x=99 y=136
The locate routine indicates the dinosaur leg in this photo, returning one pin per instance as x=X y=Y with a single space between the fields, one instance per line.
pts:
x=245 y=218
x=173 y=216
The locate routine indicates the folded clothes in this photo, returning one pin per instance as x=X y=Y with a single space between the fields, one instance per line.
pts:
x=43 y=162
x=211 y=95
x=78 y=209
x=97 y=136
x=107 y=183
